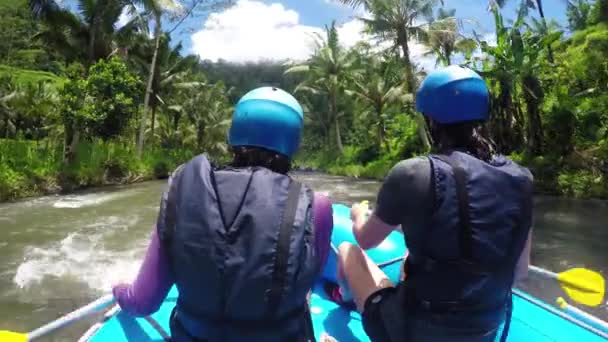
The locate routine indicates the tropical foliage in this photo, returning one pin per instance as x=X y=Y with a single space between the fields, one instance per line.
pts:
x=75 y=83
x=86 y=101
x=543 y=82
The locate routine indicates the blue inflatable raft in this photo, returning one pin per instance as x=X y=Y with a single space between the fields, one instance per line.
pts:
x=533 y=320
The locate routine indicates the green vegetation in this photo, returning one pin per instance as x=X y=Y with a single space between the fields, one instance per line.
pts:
x=84 y=101
x=30 y=168
x=70 y=116
x=549 y=92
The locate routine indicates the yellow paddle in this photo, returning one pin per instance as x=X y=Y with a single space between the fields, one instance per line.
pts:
x=85 y=311
x=582 y=285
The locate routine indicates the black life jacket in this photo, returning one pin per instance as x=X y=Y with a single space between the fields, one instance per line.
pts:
x=241 y=247
x=464 y=271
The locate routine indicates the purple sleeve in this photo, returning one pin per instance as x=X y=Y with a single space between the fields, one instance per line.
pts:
x=324 y=225
x=153 y=282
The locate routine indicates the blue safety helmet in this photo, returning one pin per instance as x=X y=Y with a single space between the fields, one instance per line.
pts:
x=453 y=94
x=268 y=117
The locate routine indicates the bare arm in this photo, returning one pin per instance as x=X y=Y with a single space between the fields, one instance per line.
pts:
x=372 y=232
x=403 y=199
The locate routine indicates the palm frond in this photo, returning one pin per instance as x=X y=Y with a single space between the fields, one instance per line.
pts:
x=297 y=69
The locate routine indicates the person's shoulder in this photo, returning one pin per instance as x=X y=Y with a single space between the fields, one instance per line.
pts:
x=410 y=168
x=524 y=172
x=197 y=162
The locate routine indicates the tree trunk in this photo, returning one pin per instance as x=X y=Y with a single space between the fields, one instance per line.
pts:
x=142 y=126
x=541 y=12
x=153 y=121
x=92 y=48
x=67 y=139
x=405 y=49
x=412 y=85
x=200 y=135
x=176 y=118
x=533 y=96
x=92 y=38
x=338 y=136
x=70 y=143
x=334 y=112
x=381 y=137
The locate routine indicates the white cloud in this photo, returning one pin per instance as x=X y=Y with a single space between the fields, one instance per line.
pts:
x=351 y=32
x=124 y=18
x=254 y=31
x=417 y=56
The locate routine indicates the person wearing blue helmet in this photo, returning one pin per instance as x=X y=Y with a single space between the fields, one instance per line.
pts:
x=243 y=243
x=466 y=212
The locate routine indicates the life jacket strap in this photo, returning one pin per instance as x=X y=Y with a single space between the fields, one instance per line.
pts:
x=279 y=273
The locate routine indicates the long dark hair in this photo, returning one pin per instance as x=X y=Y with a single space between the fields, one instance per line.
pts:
x=467 y=137
x=246 y=156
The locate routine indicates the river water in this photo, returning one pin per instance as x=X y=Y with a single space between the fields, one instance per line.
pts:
x=60 y=252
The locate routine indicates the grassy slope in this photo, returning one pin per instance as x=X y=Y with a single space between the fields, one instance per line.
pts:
x=23 y=76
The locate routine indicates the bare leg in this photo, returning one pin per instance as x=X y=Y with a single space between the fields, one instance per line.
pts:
x=327 y=338
x=363 y=277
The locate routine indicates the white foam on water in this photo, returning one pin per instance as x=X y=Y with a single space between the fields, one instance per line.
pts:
x=79 y=201
x=84 y=256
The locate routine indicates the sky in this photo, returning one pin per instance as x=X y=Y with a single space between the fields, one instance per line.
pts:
x=255 y=30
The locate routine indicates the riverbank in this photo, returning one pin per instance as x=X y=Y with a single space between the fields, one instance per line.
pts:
x=556 y=176
x=36 y=168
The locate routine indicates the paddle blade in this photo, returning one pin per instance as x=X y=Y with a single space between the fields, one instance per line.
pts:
x=583 y=286
x=9 y=336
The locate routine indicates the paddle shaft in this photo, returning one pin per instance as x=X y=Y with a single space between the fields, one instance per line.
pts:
x=584 y=316
x=73 y=316
x=576 y=285
x=543 y=271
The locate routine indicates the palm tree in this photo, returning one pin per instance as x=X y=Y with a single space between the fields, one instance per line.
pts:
x=533 y=4
x=171 y=69
x=399 y=22
x=578 y=14
x=156 y=9
x=379 y=89
x=511 y=67
x=445 y=40
x=328 y=71
x=169 y=136
x=208 y=110
x=93 y=27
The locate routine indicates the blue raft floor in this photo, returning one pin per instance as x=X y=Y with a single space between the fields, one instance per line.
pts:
x=532 y=322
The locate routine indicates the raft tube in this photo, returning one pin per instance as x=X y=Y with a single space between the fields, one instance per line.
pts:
x=533 y=320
